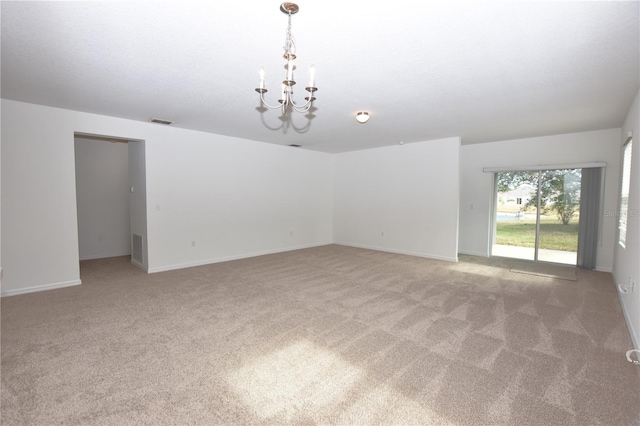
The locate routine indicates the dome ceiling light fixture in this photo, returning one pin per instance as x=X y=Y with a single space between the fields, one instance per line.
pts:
x=362 y=117
x=286 y=98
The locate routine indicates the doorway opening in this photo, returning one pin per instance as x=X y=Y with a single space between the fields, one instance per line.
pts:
x=111 y=198
x=537 y=215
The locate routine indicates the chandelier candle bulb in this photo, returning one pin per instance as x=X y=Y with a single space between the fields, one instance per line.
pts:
x=262 y=78
x=312 y=75
x=290 y=70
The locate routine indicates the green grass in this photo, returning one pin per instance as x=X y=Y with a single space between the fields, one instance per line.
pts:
x=553 y=234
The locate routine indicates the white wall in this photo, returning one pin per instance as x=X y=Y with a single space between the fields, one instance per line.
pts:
x=138 y=199
x=39 y=226
x=476 y=187
x=627 y=259
x=102 y=192
x=213 y=198
x=408 y=192
x=237 y=198
x=234 y=197
x=1 y=271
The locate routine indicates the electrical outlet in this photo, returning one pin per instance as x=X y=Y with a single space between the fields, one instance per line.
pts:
x=193 y=243
x=627 y=288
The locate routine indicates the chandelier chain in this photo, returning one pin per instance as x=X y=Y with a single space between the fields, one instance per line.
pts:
x=290 y=41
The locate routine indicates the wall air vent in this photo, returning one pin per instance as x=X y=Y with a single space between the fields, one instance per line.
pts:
x=136 y=248
x=161 y=121
x=295 y=145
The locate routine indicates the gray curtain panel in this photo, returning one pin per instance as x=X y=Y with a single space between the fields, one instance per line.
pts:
x=591 y=185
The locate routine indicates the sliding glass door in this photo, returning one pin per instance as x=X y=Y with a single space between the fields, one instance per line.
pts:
x=516 y=213
x=559 y=216
x=537 y=215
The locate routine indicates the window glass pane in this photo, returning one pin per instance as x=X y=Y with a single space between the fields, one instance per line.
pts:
x=624 y=193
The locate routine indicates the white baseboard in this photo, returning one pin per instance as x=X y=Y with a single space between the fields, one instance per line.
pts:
x=104 y=256
x=635 y=337
x=139 y=265
x=229 y=258
x=473 y=253
x=603 y=269
x=38 y=288
x=408 y=253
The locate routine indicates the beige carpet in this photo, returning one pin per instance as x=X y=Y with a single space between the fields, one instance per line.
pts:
x=563 y=272
x=329 y=335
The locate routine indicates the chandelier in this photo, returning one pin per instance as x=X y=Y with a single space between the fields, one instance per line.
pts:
x=286 y=97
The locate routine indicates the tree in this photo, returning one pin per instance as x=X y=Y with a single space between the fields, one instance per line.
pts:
x=508 y=181
x=559 y=189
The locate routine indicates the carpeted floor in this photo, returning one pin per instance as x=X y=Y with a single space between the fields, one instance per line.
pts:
x=562 y=272
x=328 y=335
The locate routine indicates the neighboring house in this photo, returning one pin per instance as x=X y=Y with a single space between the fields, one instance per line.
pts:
x=519 y=196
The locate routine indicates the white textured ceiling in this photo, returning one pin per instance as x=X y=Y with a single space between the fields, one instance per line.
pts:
x=481 y=70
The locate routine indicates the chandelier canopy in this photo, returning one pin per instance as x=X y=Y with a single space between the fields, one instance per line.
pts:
x=286 y=97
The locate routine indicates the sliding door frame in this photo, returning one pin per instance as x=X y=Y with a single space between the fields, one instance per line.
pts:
x=539 y=169
x=538 y=209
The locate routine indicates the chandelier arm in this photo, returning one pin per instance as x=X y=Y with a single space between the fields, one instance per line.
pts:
x=266 y=104
x=299 y=106
x=302 y=108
